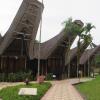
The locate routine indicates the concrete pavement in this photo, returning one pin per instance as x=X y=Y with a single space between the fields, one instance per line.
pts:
x=62 y=90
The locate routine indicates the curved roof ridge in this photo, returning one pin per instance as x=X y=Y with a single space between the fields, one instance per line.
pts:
x=26 y=21
x=87 y=54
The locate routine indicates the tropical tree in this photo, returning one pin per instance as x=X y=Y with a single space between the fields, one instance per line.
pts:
x=79 y=42
x=70 y=27
x=86 y=38
x=83 y=33
x=88 y=28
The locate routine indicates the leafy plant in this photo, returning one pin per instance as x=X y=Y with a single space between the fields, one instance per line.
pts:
x=49 y=76
x=15 y=77
x=77 y=28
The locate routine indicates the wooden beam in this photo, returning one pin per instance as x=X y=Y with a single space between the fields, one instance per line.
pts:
x=46 y=72
x=21 y=39
x=28 y=25
x=63 y=46
x=25 y=63
x=21 y=33
x=33 y=14
x=1 y=63
x=84 y=70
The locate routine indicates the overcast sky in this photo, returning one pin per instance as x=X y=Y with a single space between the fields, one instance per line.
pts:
x=55 y=12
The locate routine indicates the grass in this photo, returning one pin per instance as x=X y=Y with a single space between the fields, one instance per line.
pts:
x=11 y=93
x=91 y=89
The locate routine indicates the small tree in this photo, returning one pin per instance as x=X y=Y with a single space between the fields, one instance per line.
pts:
x=86 y=38
x=88 y=28
x=68 y=29
x=74 y=28
x=83 y=32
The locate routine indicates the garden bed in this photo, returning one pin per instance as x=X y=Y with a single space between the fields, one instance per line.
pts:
x=11 y=93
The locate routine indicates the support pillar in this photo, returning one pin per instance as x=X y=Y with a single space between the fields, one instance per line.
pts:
x=46 y=67
x=84 y=70
x=88 y=68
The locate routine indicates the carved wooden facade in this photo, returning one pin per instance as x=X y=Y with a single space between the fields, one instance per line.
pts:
x=17 y=45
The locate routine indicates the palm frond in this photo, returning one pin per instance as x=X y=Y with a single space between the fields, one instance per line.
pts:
x=88 y=27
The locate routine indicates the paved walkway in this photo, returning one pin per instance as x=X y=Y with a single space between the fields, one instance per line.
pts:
x=77 y=80
x=62 y=90
x=7 y=84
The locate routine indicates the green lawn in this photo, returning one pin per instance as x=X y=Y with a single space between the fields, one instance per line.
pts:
x=91 y=90
x=11 y=93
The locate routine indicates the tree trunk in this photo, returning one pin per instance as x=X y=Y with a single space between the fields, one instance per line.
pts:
x=84 y=70
x=88 y=68
x=69 y=60
x=78 y=56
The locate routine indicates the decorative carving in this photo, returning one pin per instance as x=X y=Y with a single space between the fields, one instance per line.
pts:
x=32 y=9
x=27 y=30
x=28 y=19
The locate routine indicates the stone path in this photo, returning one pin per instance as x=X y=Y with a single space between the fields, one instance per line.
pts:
x=77 y=80
x=4 y=84
x=62 y=90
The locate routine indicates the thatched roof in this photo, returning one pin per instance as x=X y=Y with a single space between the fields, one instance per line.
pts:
x=74 y=51
x=26 y=21
x=88 y=54
x=72 y=54
x=48 y=47
x=0 y=37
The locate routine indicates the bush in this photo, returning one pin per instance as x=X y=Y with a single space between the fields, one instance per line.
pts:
x=3 y=77
x=15 y=77
x=49 y=76
x=11 y=77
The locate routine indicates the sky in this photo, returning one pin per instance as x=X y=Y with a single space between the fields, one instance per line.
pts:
x=54 y=14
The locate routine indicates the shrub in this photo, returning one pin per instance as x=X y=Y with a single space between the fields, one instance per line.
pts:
x=15 y=77
x=11 y=77
x=49 y=76
x=3 y=77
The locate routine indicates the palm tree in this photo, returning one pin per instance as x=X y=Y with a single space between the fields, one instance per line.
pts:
x=79 y=31
x=87 y=39
x=68 y=29
x=88 y=28
x=74 y=28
